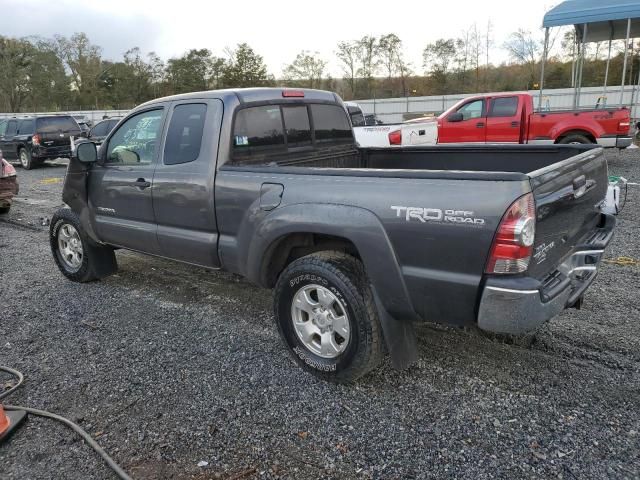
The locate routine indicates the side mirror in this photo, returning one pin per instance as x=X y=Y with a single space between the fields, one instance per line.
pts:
x=86 y=152
x=455 y=117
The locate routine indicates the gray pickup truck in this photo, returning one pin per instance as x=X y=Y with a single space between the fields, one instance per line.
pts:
x=358 y=244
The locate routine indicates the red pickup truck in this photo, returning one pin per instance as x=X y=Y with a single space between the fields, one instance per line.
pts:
x=510 y=118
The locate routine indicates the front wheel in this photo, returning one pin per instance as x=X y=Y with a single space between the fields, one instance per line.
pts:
x=327 y=316
x=78 y=258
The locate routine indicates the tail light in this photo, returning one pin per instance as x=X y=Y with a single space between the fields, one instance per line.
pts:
x=35 y=139
x=513 y=244
x=624 y=126
x=395 y=137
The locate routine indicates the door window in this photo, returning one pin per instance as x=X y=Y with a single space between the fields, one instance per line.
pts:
x=472 y=110
x=3 y=128
x=184 y=136
x=136 y=141
x=25 y=127
x=504 y=107
x=12 y=127
x=100 y=130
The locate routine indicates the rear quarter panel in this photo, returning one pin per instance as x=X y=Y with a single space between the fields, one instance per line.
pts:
x=441 y=263
x=553 y=125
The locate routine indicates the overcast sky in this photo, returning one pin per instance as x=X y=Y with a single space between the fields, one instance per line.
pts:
x=277 y=30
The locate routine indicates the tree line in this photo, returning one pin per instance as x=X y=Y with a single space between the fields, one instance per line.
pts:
x=64 y=73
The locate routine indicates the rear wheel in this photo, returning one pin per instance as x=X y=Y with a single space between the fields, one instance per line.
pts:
x=575 y=139
x=327 y=316
x=4 y=210
x=25 y=159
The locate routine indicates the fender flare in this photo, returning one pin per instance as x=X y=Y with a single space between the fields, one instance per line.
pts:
x=363 y=228
x=574 y=128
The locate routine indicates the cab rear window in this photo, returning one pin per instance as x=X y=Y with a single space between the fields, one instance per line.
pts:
x=280 y=128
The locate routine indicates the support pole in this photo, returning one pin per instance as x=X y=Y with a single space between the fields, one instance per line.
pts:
x=578 y=91
x=606 y=72
x=624 y=65
x=544 y=61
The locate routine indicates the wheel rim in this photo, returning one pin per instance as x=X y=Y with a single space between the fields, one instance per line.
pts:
x=24 y=160
x=320 y=321
x=70 y=246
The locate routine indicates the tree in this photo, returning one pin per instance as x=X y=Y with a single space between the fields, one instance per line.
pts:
x=48 y=81
x=83 y=61
x=347 y=54
x=368 y=59
x=392 y=59
x=16 y=57
x=306 y=70
x=190 y=72
x=245 y=68
x=524 y=49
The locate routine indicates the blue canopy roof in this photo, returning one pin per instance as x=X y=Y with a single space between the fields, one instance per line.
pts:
x=604 y=19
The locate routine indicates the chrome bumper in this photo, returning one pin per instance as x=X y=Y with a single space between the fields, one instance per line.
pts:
x=515 y=311
x=615 y=142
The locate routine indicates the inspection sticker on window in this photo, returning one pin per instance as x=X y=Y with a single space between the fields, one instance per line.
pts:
x=241 y=140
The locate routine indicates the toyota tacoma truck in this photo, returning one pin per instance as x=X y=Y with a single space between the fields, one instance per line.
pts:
x=357 y=244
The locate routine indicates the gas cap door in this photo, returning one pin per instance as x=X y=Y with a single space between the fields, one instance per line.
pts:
x=270 y=195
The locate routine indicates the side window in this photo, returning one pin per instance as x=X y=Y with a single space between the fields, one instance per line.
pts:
x=136 y=141
x=472 y=110
x=184 y=135
x=504 y=107
x=331 y=124
x=25 y=127
x=111 y=125
x=3 y=127
x=12 y=127
x=296 y=124
x=258 y=130
x=100 y=130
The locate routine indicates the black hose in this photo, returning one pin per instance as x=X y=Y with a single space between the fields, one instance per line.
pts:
x=73 y=426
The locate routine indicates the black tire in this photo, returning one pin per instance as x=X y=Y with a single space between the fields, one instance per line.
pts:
x=344 y=276
x=574 y=139
x=26 y=161
x=97 y=261
x=4 y=210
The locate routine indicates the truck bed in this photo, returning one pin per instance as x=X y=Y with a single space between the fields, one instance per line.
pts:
x=436 y=161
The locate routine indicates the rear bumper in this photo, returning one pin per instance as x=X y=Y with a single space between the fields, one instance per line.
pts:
x=614 y=141
x=43 y=153
x=516 y=306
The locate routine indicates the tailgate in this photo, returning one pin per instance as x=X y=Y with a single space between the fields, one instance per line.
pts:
x=56 y=131
x=568 y=196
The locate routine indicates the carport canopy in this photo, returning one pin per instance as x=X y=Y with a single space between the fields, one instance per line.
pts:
x=606 y=20
x=594 y=21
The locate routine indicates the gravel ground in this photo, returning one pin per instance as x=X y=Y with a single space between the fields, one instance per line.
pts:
x=170 y=365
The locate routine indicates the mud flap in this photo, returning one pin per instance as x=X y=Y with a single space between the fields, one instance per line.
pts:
x=400 y=337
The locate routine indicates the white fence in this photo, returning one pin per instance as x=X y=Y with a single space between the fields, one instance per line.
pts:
x=395 y=110
x=93 y=116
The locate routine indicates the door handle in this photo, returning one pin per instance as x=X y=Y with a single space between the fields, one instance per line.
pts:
x=515 y=124
x=480 y=125
x=141 y=183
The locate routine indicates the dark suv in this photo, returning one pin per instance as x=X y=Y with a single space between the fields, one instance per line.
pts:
x=32 y=140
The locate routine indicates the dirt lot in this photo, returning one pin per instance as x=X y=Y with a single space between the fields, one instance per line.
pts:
x=169 y=365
